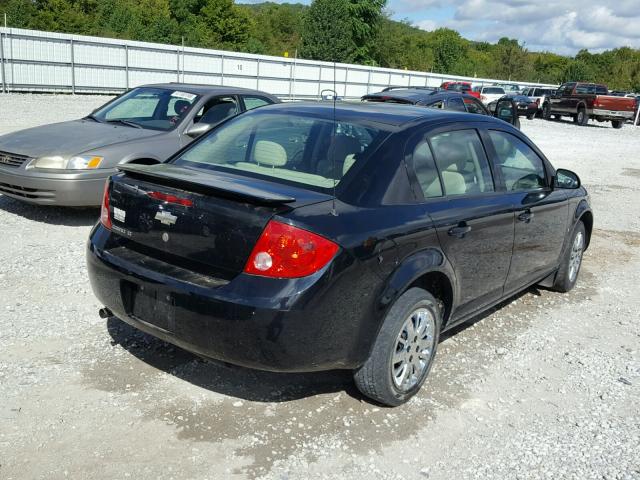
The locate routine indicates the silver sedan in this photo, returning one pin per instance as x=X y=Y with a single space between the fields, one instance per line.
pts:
x=67 y=163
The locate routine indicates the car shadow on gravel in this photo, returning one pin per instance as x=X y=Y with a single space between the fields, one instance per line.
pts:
x=245 y=383
x=68 y=216
x=231 y=380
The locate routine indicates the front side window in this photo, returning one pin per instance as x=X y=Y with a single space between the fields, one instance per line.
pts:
x=152 y=108
x=522 y=169
x=462 y=163
x=292 y=147
x=216 y=110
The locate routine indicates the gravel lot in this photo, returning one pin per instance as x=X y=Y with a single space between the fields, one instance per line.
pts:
x=547 y=386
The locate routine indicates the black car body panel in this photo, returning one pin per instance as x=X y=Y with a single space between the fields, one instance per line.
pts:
x=442 y=99
x=184 y=281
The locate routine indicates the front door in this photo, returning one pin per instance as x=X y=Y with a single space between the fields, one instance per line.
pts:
x=473 y=224
x=541 y=213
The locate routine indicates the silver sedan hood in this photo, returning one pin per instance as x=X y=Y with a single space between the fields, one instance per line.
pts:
x=70 y=138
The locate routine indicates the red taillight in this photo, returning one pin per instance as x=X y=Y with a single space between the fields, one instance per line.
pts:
x=105 y=214
x=164 y=197
x=284 y=251
x=482 y=97
x=537 y=101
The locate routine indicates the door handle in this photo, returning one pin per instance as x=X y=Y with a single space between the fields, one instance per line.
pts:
x=525 y=216
x=460 y=231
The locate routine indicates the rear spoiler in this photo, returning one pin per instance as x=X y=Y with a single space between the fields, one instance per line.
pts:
x=206 y=181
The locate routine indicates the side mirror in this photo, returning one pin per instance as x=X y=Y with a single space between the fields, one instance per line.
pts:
x=198 y=129
x=566 y=179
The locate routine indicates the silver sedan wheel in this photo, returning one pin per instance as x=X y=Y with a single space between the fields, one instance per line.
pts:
x=576 y=256
x=414 y=349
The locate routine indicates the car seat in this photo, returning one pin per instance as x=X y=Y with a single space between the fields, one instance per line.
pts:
x=218 y=113
x=342 y=149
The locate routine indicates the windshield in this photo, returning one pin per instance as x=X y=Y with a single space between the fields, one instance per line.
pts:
x=290 y=147
x=152 y=108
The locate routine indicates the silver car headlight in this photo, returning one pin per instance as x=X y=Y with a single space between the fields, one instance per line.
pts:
x=61 y=163
x=56 y=162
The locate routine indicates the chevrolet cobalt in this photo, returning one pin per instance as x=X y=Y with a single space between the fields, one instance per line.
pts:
x=303 y=237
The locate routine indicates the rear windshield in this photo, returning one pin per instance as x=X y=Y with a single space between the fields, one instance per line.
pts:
x=493 y=90
x=459 y=87
x=293 y=148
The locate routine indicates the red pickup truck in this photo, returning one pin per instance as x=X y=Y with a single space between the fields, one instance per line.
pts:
x=462 y=87
x=583 y=101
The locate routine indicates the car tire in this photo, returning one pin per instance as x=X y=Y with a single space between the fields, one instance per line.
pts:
x=546 y=111
x=581 y=118
x=392 y=375
x=617 y=123
x=531 y=117
x=517 y=124
x=571 y=262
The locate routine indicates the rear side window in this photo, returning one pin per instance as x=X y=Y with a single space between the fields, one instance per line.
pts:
x=426 y=172
x=254 y=102
x=601 y=90
x=462 y=163
x=584 y=88
x=522 y=169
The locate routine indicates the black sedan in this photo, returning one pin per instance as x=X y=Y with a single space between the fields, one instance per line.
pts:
x=304 y=237
x=525 y=106
x=445 y=100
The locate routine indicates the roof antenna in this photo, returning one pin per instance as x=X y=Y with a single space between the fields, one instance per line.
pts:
x=333 y=140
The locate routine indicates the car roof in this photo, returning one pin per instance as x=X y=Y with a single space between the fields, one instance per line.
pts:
x=204 y=89
x=381 y=113
x=415 y=96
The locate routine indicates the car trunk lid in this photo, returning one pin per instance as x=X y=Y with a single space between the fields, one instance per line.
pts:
x=200 y=220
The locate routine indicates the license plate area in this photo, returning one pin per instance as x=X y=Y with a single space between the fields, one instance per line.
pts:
x=151 y=305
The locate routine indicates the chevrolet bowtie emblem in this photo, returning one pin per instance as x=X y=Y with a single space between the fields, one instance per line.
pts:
x=166 y=218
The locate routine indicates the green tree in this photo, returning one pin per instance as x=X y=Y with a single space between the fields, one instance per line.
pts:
x=326 y=32
x=512 y=59
x=366 y=16
x=224 y=25
x=449 y=50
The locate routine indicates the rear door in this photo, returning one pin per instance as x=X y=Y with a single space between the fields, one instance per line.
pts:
x=472 y=221
x=541 y=213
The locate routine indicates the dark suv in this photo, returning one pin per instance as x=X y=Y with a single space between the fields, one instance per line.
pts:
x=303 y=237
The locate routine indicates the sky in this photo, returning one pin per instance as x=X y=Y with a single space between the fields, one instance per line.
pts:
x=562 y=27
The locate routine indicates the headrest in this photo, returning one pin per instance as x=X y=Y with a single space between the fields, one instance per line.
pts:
x=181 y=106
x=271 y=154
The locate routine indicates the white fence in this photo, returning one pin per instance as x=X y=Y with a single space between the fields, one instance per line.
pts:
x=35 y=61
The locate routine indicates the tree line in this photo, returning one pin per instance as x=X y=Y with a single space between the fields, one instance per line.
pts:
x=350 y=31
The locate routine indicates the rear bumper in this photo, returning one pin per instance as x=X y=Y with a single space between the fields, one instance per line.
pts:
x=267 y=324
x=64 y=189
x=612 y=114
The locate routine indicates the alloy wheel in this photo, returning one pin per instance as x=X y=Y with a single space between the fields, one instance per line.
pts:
x=414 y=349
x=575 y=259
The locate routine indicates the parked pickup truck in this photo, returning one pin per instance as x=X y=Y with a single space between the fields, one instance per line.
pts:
x=583 y=101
